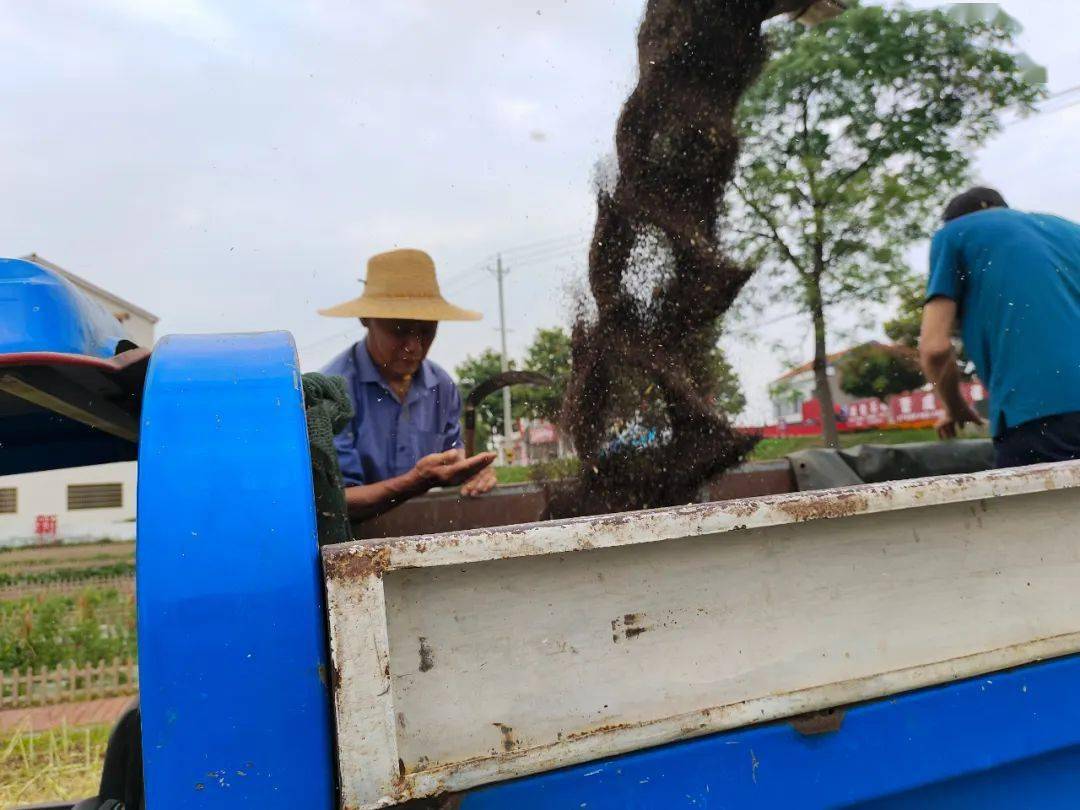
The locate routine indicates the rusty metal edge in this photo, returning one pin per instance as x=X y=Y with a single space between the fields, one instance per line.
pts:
x=376 y=557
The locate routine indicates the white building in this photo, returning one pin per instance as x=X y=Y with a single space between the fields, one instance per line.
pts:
x=82 y=503
x=791 y=390
x=76 y=505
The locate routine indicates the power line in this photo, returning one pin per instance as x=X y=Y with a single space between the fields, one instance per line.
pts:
x=475 y=282
x=779 y=318
x=321 y=341
x=522 y=254
x=555 y=250
x=540 y=256
x=464 y=281
x=538 y=249
x=564 y=254
x=1075 y=88
x=1060 y=108
x=456 y=277
x=1042 y=109
x=516 y=250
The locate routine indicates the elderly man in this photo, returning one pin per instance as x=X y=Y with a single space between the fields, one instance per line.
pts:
x=1012 y=279
x=406 y=435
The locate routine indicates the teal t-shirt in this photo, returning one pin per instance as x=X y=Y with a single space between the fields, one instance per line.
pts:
x=1016 y=279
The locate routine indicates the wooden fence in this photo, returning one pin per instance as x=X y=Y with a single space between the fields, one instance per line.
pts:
x=124 y=582
x=68 y=683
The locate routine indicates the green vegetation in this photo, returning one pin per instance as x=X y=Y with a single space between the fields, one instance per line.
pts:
x=513 y=475
x=63 y=763
x=545 y=471
x=47 y=631
x=549 y=354
x=17 y=565
x=117 y=569
x=873 y=370
x=768 y=449
x=64 y=550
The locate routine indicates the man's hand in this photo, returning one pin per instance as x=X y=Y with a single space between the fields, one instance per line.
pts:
x=952 y=422
x=449 y=469
x=480 y=484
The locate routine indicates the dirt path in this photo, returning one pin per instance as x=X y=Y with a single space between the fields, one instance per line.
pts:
x=83 y=713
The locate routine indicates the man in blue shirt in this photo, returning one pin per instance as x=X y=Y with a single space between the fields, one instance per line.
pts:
x=406 y=435
x=1013 y=281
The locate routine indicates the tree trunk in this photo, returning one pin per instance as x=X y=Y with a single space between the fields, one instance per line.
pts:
x=821 y=376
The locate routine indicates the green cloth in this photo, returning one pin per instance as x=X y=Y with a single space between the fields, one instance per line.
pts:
x=328 y=411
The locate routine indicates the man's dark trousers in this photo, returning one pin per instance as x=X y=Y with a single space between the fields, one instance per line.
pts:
x=1050 y=438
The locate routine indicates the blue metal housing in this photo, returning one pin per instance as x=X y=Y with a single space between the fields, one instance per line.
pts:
x=232 y=646
x=52 y=334
x=41 y=311
x=1009 y=739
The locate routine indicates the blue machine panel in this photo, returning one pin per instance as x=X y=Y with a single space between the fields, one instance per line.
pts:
x=232 y=648
x=41 y=311
x=1009 y=739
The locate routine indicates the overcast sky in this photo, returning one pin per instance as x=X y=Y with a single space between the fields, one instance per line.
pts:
x=230 y=166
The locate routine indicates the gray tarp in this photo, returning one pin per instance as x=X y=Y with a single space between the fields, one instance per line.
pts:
x=820 y=468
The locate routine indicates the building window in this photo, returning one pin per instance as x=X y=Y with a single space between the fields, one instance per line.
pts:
x=95 y=496
x=8 y=501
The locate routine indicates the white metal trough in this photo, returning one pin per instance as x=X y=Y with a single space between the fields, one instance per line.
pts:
x=468 y=657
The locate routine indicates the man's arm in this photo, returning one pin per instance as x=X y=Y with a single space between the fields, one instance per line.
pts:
x=437 y=470
x=938 y=359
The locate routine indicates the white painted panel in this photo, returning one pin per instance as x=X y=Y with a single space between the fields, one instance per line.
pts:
x=527 y=650
x=358 y=648
x=539 y=660
x=45 y=493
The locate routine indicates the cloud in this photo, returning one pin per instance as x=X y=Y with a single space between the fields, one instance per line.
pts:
x=515 y=112
x=191 y=19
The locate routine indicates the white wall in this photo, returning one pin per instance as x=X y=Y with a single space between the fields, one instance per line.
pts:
x=139 y=329
x=805 y=385
x=137 y=323
x=45 y=493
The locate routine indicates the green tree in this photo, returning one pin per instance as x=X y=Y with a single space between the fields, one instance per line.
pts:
x=549 y=353
x=719 y=380
x=904 y=327
x=854 y=135
x=729 y=397
x=873 y=370
x=489 y=413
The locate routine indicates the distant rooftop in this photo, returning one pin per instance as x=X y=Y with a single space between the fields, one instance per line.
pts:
x=79 y=281
x=893 y=348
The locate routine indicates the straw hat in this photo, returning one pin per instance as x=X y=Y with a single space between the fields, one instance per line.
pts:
x=401 y=284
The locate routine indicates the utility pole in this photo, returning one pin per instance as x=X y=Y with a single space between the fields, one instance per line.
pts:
x=507 y=428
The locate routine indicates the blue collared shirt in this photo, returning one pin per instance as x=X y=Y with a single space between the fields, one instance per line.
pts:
x=387 y=437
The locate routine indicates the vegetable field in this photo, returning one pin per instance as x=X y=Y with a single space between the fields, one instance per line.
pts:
x=67 y=623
